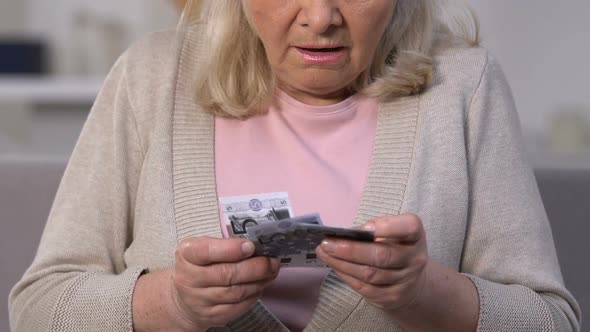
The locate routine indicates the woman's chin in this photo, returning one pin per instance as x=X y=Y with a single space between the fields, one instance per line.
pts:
x=318 y=94
x=323 y=87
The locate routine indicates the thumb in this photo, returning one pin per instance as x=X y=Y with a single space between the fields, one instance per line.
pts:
x=207 y=250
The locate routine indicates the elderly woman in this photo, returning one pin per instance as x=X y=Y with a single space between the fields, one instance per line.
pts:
x=376 y=113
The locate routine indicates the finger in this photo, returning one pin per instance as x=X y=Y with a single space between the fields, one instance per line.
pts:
x=219 y=315
x=368 y=291
x=379 y=254
x=226 y=274
x=366 y=273
x=252 y=270
x=206 y=250
x=384 y=297
x=406 y=228
x=235 y=293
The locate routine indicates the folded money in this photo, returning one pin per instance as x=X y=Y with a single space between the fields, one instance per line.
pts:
x=295 y=240
x=242 y=212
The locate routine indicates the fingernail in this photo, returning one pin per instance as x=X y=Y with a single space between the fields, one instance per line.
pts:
x=275 y=265
x=328 y=247
x=248 y=248
x=368 y=227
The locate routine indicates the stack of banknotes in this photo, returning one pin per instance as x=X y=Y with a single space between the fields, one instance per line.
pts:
x=268 y=220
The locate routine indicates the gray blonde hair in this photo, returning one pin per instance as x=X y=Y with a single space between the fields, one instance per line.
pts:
x=235 y=80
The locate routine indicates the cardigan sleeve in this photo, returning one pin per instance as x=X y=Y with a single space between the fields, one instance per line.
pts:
x=78 y=280
x=509 y=252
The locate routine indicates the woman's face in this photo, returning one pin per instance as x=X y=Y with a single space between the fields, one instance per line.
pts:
x=317 y=48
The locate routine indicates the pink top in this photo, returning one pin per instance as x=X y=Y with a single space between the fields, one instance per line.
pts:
x=320 y=156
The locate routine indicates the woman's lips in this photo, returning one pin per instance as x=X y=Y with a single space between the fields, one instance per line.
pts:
x=322 y=55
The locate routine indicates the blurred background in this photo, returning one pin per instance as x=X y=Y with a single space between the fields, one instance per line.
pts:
x=55 y=54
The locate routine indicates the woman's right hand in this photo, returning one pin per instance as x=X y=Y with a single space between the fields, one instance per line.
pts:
x=217 y=280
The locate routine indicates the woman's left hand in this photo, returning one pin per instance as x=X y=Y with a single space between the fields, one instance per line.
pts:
x=390 y=272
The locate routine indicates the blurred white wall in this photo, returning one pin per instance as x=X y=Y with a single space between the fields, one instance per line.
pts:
x=544 y=48
x=12 y=16
x=79 y=61
x=57 y=21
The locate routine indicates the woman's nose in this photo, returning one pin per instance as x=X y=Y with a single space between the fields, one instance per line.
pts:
x=319 y=15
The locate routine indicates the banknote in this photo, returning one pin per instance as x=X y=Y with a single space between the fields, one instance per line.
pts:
x=295 y=240
x=243 y=212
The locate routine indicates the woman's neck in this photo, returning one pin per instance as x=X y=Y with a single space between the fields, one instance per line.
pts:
x=312 y=99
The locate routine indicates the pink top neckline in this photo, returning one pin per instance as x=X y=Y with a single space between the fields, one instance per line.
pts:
x=290 y=104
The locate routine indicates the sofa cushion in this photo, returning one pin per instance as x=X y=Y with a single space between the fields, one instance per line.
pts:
x=27 y=189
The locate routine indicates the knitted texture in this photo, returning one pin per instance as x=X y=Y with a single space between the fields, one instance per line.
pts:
x=141 y=179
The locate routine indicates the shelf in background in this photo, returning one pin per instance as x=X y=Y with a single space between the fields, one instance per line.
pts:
x=50 y=90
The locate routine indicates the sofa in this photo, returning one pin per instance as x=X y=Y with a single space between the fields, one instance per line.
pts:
x=27 y=188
